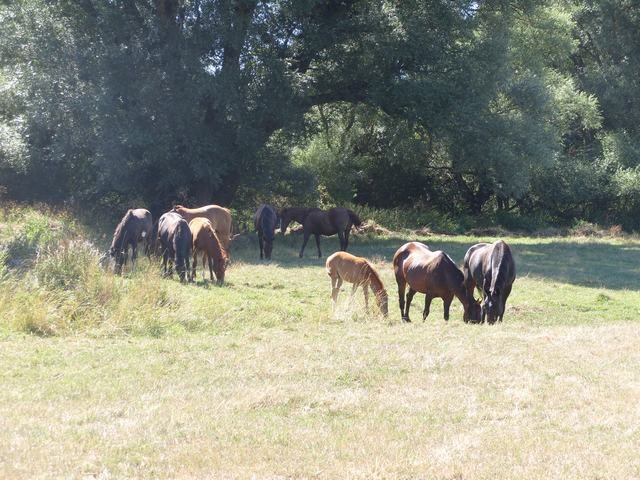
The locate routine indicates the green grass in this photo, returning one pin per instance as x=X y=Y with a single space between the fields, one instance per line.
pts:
x=143 y=377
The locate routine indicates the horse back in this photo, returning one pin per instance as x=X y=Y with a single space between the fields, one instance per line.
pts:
x=477 y=263
x=350 y=268
x=266 y=220
x=503 y=270
x=433 y=273
x=401 y=255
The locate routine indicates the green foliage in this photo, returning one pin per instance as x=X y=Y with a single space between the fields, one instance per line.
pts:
x=466 y=107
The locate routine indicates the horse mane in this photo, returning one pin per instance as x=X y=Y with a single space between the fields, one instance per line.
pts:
x=219 y=251
x=374 y=279
x=354 y=218
x=119 y=229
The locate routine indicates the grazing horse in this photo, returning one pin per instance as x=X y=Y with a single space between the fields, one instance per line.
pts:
x=344 y=266
x=135 y=226
x=206 y=242
x=174 y=238
x=435 y=275
x=266 y=221
x=490 y=268
x=219 y=217
x=327 y=223
x=298 y=214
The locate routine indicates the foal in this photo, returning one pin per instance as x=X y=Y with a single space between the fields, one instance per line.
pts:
x=357 y=270
x=206 y=242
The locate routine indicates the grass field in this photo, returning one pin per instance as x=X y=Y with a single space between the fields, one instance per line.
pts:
x=142 y=377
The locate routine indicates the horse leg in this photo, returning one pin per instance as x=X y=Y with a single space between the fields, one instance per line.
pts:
x=317 y=235
x=365 y=288
x=427 y=306
x=336 y=283
x=346 y=238
x=341 y=238
x=165 y=259
x=401 y=288
x=410 y=295
x=194 y=266
x=261 y=243
x=354 y=287
x=505 y=295
x=304 y=243
x=210 y=262
x=188 y=278
x=447 y=303
x=134 y=256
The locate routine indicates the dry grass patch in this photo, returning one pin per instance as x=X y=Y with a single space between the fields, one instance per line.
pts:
x=355 y=400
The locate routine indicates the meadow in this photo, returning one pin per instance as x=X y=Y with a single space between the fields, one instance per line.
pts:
x=143 y=377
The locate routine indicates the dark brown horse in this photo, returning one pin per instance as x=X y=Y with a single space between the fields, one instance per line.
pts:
x=266 y=220
x=135 y=226
x=291 y=214
x=175 y=240
x=435 y=275
x=327 y=223
x=490 y=268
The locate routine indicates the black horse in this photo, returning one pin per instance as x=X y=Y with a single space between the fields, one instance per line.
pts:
x=266 y=220
x=135 y=226
x=175 y=240
x=327 y=223
x=490 y=268
x=297 y=214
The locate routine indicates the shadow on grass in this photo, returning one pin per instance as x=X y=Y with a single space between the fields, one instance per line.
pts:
x=589 y=264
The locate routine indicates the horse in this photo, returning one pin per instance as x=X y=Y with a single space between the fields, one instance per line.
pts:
x=219 y=217
x=135 y=226
x=175 y=240
x=491 y=269
x=327 y=223
x=298 y=214
x=436 y=275
x=358 y=271
x=265 y=221
x=206 y=242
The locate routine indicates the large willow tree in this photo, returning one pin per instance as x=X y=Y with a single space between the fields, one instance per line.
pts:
x=157 y=98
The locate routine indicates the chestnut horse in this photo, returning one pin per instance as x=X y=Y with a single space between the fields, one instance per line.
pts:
x=491 y=269
x=342 y=266
x=435 y=275
x=266 y=221
x=327 y=223
x=174 y=238
x=135 y=226
x=219 y=217
x=206 y=242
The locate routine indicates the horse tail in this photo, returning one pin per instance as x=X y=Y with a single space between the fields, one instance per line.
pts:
x=354 y=218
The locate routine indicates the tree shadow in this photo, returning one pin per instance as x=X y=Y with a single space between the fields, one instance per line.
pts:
x=584 y=263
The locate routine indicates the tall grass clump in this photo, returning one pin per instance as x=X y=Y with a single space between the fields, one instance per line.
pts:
x=66 y=265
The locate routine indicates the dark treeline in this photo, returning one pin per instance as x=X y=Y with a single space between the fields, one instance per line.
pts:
x=520 y=108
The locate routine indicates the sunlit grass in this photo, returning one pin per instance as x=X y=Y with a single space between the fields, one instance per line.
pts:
x=138 y=376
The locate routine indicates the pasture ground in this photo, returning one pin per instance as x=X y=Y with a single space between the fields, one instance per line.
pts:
x=143 y=377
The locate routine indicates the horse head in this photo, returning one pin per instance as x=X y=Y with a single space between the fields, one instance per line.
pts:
x=472 y=310
x=285 y=220
x=493 y=305
x=383 y=302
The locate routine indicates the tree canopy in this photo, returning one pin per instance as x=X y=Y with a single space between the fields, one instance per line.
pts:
x=463 y=106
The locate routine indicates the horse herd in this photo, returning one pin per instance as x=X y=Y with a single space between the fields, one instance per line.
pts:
x=206 y=231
